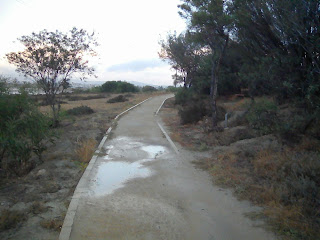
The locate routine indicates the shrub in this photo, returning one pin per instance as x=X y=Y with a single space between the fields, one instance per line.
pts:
x=119 y=98
x=23 y=131
x=263 y=116
x=149 y=89
x=82 y=110
x=118 y=87
x=85 y=150
x=192 y=113
x=183 y=96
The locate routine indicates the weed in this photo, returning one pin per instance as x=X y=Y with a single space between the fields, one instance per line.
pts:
x=10 y=219
x=85 y=150
x=203 y=147
x=38 y=207
x=54 y=224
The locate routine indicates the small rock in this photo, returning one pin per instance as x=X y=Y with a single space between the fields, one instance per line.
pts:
x=41 y=173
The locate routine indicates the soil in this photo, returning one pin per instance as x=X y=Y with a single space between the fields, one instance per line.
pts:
x=34 y=206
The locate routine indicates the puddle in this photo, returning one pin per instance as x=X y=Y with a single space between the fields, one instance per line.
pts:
x=113 y=175
x=153 y=151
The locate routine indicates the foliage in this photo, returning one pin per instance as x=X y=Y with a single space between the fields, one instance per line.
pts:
x=23 y=131
x=263 y=116
x=148 y=89
x=119 y=98
x=118 y=87
x=172 y=89
x=82 y=110
x=183 y=96
x=52 y=58
x=192 y=113
x=183 y=54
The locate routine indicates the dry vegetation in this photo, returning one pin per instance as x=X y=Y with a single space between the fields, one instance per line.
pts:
x=278 y=174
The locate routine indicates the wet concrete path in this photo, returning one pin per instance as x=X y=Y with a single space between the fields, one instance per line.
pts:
x=140 y=188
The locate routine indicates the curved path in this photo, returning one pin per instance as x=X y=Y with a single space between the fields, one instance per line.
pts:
x=140 y=188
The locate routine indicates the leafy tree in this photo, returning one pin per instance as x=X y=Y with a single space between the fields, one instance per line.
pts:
x=184 y=54
x=211 y=22
x=52 y=58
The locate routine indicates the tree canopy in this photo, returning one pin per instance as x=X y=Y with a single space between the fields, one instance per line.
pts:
x=51 y=59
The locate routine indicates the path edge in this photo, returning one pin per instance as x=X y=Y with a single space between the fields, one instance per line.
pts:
x=162 y=129
x=81 y=189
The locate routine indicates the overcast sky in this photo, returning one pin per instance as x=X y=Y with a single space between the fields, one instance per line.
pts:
x=128 y=32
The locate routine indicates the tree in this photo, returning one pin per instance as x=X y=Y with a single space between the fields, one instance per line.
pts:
x=210 y=21
x=184 y=54
x=52 y=58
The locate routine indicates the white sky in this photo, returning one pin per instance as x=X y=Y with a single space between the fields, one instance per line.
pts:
x=128 y=32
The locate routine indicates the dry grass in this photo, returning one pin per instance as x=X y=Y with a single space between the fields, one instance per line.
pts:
x=283 y=179
x=100 y=105
x=85 y=150
x=264 y=178
x=38 y=207
x=10 y=219
x=54 y=224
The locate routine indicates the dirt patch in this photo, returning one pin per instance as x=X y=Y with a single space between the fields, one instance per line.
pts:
x=35 y=205
x=281 y=178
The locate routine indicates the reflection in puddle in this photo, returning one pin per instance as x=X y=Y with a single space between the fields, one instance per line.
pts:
x=113 y=175
x=153 y=151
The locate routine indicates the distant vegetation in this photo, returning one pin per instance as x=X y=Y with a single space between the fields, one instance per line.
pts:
x=118 y=87
x=148 y=89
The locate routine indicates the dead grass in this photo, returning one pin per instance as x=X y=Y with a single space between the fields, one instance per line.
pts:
x=38 y=207
x=10 y=219
x=283 y=179
x=53 y=224
x=100 y=105
x=85 y=150
x=264 y=181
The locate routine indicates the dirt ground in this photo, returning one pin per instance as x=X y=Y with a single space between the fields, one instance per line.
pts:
x=34 y=206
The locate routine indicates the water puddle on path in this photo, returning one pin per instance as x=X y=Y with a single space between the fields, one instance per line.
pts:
x=153 y=151
x=112 y=175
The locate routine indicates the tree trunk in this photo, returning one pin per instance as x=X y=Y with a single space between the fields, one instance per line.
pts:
x=214 y=81
x=213 y=93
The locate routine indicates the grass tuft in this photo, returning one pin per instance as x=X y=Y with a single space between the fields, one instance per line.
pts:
x=85 y=150
x=10 y=219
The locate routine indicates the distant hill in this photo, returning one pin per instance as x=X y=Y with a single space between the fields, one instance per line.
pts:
x=89 y=83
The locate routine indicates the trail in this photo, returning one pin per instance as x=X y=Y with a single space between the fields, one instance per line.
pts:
x=141 y=188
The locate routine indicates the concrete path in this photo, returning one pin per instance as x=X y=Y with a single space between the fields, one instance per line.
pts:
x=140 y=188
